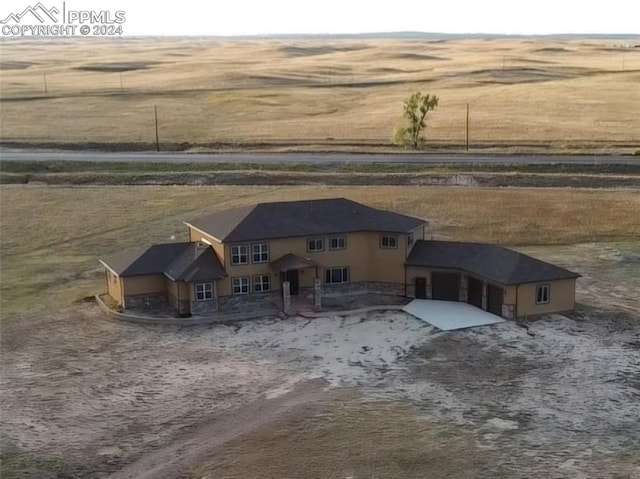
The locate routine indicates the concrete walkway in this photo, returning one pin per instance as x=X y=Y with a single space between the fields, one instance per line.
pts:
x=303 y=310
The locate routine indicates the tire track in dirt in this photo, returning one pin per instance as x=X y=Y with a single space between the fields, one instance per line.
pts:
x=174 y=460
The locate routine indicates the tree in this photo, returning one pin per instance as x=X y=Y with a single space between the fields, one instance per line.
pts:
x=415 y=111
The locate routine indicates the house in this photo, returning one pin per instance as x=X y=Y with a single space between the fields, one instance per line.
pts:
x=269 y=252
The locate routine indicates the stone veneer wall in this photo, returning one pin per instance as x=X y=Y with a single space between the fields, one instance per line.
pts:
x=365 y=287
x=146 y=302
x=240 y=302
x=204 y=307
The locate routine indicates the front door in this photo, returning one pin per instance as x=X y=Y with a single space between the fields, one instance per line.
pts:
x=421 y=288
x=292 y=277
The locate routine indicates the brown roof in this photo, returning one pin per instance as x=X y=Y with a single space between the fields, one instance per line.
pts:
x=491 y=262
x=302 y=218
x=177 y=261
x=291 y=261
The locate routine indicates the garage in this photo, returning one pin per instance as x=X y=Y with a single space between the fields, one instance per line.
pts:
x=445 y=286
x=475 y=292
x=495 y=296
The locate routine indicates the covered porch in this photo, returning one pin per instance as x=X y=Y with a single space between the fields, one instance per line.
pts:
x=300 y=282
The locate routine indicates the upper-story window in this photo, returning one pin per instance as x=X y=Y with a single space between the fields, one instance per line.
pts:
x=315 y=244
x=260 y=253
x=337 y=242
x=239 y=254
x=388 y=241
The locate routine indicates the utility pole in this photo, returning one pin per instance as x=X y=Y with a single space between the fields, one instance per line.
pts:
x=155 y=110
x=467 y=135
x=121 y=89
x=44 y=80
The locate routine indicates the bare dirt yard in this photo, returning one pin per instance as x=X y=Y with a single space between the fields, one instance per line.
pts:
x=342 y=396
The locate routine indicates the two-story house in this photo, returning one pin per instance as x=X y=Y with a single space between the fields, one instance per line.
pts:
x=316 y=247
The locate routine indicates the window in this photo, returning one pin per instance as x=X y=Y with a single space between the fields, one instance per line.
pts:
x=389 y=241
x=204 y=291
x=315 y=244
x=261 y=283
x=336 y=275
x=542 y=294
x=260 y=253
x=239 y=255
x=240 y=285
x=337 y=242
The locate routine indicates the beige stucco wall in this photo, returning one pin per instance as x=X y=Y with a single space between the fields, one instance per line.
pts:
x=561 y=297
x=114 y=287
x=181 y=290
x=364 y=257
x=148 y=284
x=218 y=247
x=414 y=272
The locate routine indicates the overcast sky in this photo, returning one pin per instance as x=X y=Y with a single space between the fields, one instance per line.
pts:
x=247 y=17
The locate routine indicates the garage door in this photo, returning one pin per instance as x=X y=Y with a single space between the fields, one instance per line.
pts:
x=495 y=295
x=445 y=286
x=475 y=292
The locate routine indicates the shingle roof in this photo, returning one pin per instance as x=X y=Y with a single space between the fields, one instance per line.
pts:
x=291 y=261
x=490 y=262
x=302 y=218
x=177 y=261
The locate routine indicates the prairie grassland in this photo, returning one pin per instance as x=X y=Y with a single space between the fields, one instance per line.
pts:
x=51 y=236
x=567 y=95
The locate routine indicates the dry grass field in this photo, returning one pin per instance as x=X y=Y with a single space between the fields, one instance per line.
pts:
x=524 y=94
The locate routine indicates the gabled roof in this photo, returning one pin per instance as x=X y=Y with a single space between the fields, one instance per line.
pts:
x=490 y=262
x=177 y=261
x=302 y=218
x=291 y=261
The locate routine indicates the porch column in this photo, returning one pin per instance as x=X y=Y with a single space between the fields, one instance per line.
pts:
x=429 y=291
x=286 y=297
x=463 y=294
x=317 y=294
x=484 y=295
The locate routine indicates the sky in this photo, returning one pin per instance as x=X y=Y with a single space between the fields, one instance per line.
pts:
x=255 y=17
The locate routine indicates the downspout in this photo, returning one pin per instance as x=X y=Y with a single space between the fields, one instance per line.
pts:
x=178 y=291
x=405 y=280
